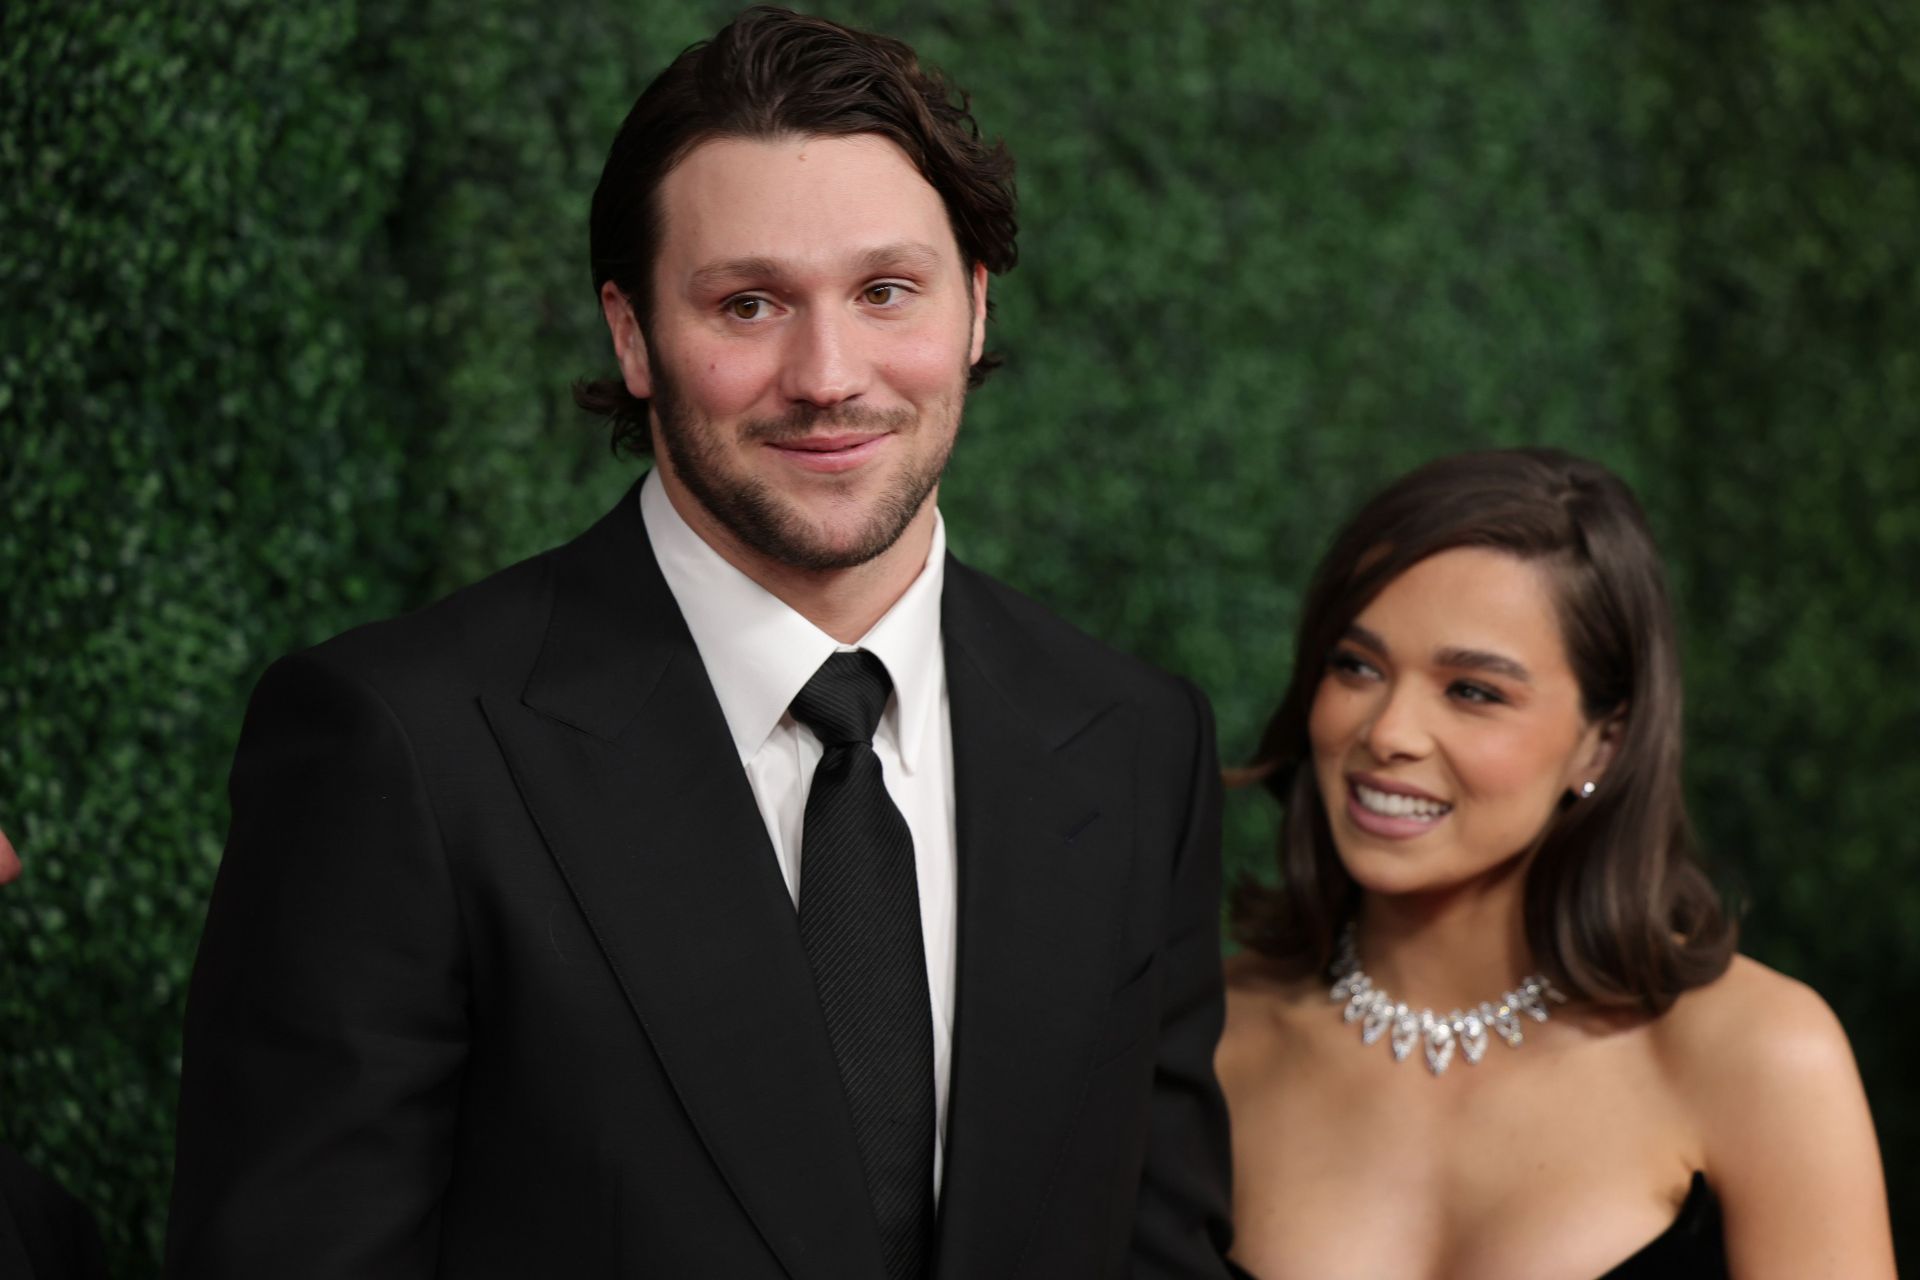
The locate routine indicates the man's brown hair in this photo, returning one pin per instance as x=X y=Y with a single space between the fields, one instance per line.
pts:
x=1618 y=911
x=774 y=73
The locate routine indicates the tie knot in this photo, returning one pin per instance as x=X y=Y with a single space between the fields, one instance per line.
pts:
x=843 y=701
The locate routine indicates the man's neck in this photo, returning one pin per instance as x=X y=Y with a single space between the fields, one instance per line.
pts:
x=844 y=603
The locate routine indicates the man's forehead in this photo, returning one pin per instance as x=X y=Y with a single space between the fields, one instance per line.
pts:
x=853 y=201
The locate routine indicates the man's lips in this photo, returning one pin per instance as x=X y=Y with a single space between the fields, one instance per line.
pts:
x=840 y=452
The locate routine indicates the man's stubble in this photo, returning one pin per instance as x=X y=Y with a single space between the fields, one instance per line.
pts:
x=749 y=510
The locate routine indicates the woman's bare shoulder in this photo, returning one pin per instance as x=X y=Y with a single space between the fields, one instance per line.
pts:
x=1756 y=1023
x=1763 y=1065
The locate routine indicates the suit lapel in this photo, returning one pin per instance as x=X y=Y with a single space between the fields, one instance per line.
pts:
x=1044 y=846
x=622 y=754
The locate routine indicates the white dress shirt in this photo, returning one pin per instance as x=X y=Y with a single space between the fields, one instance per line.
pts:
x=759 y=653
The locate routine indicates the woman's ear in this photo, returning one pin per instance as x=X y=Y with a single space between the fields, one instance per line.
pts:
x=1598 y=745
x=628 y=345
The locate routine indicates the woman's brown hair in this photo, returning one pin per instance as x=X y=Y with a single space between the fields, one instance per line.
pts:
x=1618 y=911
x=772 y=73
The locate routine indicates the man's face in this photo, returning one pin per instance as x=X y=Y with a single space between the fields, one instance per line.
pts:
x=808 y=350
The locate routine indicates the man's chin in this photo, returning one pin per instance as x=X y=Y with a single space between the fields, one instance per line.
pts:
x=826 y=549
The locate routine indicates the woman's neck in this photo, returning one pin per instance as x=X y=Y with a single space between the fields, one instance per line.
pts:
x=1448 y=949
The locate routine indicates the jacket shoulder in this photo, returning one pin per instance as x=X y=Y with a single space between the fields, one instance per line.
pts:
x=483 y=637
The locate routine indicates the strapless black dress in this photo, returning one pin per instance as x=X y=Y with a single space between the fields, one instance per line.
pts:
x=1693 y=1248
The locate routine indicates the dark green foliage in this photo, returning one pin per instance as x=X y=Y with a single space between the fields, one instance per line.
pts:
x=1791 y=490
x=290 y=295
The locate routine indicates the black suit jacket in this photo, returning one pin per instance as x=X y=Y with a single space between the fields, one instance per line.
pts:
x=500 y=976
x=45 y=1234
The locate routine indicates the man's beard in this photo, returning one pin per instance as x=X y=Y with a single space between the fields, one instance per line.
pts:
x=753 y=514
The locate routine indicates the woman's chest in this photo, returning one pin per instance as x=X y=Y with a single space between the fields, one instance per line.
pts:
x=1533 y=1169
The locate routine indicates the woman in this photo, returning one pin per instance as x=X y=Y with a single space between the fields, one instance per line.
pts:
x=1542 y=1057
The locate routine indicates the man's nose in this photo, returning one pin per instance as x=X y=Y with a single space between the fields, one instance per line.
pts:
x=826 y=361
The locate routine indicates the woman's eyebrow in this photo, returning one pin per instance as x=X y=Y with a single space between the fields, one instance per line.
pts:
x=1366 y=639
x=1482 y=660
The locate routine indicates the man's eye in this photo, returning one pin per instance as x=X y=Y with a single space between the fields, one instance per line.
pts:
x=746 y=308
x=881 y=294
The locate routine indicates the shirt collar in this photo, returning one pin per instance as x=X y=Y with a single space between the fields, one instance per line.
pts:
x=759 y=652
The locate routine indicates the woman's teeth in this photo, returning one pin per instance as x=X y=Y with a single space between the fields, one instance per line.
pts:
x=1389 y=804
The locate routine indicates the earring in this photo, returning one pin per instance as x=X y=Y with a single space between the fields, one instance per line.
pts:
x=1586 y=790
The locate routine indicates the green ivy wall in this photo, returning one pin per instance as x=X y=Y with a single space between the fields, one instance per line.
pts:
x=290 y=295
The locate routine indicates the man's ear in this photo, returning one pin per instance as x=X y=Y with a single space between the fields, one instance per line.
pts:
x=628 y=346
x=979 y=291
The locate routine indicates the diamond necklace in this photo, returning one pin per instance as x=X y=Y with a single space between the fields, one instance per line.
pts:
x=1379 y=1013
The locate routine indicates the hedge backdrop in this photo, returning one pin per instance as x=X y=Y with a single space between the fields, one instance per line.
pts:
x=291 y=293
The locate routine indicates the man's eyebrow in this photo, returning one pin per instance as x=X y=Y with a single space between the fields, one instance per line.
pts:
x=1481 y=660
x=907 y=255
x=732 y=271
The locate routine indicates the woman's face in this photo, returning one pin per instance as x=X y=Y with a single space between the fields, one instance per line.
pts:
x=1448 y=723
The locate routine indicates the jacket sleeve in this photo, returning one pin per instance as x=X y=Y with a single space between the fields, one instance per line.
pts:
x=326 y=1021
x=1181 y=1226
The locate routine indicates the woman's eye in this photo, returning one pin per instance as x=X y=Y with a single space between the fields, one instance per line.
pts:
x=1468 y=691
x=1352 y=664
x=746 y=308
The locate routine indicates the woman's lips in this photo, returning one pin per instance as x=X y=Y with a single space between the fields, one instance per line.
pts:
x=829 y=454
x=1393 y=812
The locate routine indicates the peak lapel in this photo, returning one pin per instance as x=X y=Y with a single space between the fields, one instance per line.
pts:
x=622 y=754
x=1044 y=852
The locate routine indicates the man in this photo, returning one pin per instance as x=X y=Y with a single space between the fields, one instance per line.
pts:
x=45 y=1234
x=744 y=889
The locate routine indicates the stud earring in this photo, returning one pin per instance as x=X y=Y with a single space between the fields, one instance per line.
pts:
x=1586 y=790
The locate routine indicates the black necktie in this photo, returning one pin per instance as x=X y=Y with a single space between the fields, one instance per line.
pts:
x=860 y=924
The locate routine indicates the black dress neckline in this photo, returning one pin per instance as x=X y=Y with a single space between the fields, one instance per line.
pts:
x=1693 y=1247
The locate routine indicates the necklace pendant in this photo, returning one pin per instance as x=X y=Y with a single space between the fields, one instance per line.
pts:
x=1504 y=1020
x=1439 y=1045
x=1406 y=1031
x=1472 y=1034
x=1374 y=1024
x=1359 y=997
x=1533 y=996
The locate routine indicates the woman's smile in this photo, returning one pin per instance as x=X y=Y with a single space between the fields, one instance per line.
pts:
x=1394 y=812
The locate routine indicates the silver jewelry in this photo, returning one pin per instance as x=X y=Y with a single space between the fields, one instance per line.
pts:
x=1380 y=1014
x=1586 y=790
